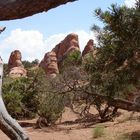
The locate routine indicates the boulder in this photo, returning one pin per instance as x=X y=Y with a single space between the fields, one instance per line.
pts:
x=17 y=72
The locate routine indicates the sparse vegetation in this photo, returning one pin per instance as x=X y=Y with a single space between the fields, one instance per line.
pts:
x=29 y=65
x=20 y=97
x=72 y=59
x=98 y=131
x=50 y=103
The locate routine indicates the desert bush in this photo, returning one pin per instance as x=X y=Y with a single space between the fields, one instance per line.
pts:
x=50 y=103
x=13 y=103
x=19 y=97
x=26 y=97
x=29 y=65
x=50 y=109
x=98 y=131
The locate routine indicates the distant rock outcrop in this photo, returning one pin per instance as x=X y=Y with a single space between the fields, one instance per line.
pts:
x=88 y=48
x=69 y=44
x=49 y=64
x=52 y=59
x=15 y=66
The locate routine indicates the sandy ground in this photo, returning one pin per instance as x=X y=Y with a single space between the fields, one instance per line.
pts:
x=124 y=124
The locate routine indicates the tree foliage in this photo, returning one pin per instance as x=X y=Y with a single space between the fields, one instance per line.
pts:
x=20 y=97
x=114 y=73
x=116 y=67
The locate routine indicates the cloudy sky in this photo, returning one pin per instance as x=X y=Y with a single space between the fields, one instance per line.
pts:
x=38 y=34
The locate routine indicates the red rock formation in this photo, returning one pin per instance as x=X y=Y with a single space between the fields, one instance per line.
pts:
x=56 y=56
x=69 y=44
x=88 y=48
x=49 y=64
x=15 y=66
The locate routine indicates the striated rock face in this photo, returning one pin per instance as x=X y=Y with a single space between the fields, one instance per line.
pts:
x=52 y=59
x=49 y=64
x=15 y=66
x=69 y=44
x=88 y=48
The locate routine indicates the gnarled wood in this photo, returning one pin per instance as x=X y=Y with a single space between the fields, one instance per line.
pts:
x=7 y=124
x=124 y=104
x=120 y=103
x=16 y=9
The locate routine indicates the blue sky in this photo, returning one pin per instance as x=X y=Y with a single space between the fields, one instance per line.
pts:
x=38 y=34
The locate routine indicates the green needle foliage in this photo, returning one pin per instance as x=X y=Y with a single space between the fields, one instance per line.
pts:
x=117 y=66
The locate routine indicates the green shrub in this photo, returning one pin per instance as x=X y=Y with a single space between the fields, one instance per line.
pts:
x=47 y=104
x=51 y=107
x=98 y=131
x=73 y=58
x=19 y=97
x=13 y=103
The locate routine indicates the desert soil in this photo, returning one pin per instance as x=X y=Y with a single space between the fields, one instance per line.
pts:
x=126 y=123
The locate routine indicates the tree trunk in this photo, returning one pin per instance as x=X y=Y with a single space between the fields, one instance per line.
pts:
x=120 y=103
x=124 y=104
x=16 y=9
x=7 y=124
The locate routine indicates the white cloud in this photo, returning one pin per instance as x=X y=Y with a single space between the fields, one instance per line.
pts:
x=130 y=3
x=33 y=45
x=30 y=43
